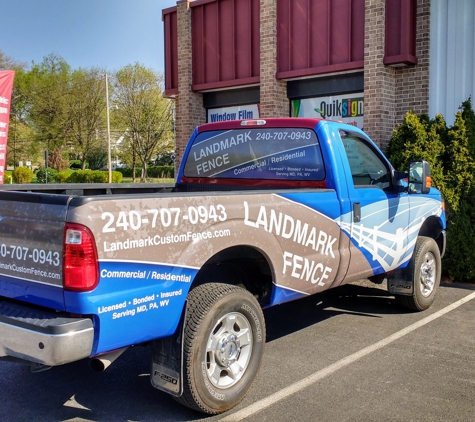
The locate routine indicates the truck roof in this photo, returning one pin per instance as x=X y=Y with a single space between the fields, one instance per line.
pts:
x=304 y=122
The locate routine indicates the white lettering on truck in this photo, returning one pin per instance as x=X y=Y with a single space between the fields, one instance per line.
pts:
x=289 y=228
x=306 y=269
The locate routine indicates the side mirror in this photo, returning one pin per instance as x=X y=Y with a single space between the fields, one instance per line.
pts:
x=419 y=177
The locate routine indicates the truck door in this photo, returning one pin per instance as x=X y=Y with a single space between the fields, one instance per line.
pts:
x=378 y=217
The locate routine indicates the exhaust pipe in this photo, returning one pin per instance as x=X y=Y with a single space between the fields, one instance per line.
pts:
x=101 y=363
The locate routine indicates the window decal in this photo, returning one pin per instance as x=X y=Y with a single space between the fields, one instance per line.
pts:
x=276 y=153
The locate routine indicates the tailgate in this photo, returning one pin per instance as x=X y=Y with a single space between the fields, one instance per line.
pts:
x=31 y=238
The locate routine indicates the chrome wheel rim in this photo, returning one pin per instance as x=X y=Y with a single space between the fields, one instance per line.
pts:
x=427 y=274
x=228 y=350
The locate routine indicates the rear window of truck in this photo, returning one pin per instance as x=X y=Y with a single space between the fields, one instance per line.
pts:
x=256 y=153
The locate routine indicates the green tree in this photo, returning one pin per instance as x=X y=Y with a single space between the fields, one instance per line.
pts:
x=125 y=150
x=453 y=170
x=459 y=165
x=468 y=116
x=96 y=157
x=86 y=106
x=21 y=136
x=419 y=138
x=459 y=260
x=18 y=131
x=46 y=107
x=460 y=256
x=165 y=159
x=9 y=63
x=142 y=110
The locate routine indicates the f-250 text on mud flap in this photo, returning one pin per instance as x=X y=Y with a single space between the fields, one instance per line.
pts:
x=398 y=283
x=167 y=362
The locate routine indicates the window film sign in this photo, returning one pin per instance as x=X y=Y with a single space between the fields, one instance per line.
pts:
x=274 y=153
x=6 y=85
x=233 y=113
x=347 y=108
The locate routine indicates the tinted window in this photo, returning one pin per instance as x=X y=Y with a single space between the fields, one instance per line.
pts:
x=277 y=153
x=367 y=167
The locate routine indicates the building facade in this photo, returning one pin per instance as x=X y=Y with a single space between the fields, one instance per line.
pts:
x=365 y=62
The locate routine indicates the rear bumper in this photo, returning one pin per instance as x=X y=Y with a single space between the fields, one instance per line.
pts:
x=31 y=334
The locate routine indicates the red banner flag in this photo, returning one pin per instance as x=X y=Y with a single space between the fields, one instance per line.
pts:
x=6 y=86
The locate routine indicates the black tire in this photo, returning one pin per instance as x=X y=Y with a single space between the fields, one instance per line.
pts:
x=425 y=271
x=223 y=344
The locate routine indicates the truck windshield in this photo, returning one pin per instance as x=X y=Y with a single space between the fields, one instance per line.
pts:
x=256 y=153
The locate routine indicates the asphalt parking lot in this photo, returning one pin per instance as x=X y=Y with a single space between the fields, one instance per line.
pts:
x=350 y=354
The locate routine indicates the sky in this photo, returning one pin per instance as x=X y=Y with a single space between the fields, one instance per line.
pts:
x=108 y=34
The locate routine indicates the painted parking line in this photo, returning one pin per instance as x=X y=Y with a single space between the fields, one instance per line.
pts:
x=311 y=379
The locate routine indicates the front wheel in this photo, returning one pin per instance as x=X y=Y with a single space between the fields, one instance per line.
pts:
x=223 y=344
x=425 y=270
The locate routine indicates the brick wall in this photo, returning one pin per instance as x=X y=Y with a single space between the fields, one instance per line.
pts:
x=189 y=105
x=391 y=92
x=379 y=80
x=273 y=93
x=412 y=86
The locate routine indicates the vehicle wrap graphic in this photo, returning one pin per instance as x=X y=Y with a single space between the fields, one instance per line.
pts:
x=375 y=231
x=155 y=246
x=150 y=249
x=31 y=256
x=141 y=300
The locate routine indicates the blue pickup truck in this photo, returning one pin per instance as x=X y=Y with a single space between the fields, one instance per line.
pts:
x=263 y=212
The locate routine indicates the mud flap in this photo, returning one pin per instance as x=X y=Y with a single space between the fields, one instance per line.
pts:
x=398 y=284
x=167 y=362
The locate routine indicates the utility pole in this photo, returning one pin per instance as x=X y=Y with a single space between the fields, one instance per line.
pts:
x=109 y=160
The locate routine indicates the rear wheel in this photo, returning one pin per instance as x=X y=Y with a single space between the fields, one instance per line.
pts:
x=223 y=345
x=425 y=271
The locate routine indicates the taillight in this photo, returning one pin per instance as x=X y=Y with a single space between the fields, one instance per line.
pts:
x=80 y=266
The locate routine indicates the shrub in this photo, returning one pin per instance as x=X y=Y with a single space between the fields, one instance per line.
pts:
x=116 y=177
x=451 y=154
x=62 y=176
x=153 y=171
x=88 y=176
x=162 y=172
x=46 y=175
x=469 y=117
x=459 y=260
x=127 y=171
x=73 y=177
x=7 y=177
x=76 y=164
x=459 y=165
x=418 y=138
x=22 y=175
x=99 y=176
x=94 y=176
x=97 y=158
x=460 y=256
